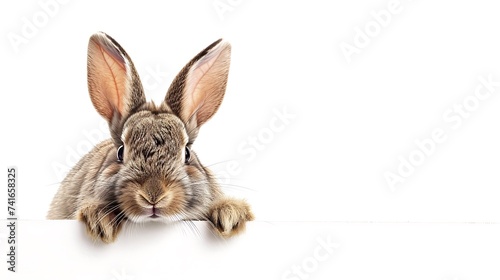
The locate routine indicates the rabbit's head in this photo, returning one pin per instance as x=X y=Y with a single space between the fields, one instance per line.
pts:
x=157 y=176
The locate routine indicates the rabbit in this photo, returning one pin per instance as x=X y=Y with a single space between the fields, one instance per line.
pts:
x=148 y=171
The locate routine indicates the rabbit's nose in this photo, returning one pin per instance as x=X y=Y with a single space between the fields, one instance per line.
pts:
x=149 y=198
x=152 y=198
x=151 y=191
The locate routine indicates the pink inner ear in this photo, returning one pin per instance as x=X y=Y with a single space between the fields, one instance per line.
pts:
x=194 y=84
x=205 y=84
x=107 y=76
x=117 y=78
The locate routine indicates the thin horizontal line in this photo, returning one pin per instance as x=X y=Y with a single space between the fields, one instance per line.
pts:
x=326 y=221
x=390 y=222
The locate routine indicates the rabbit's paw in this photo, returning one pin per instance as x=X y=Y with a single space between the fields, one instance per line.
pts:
x=229 y=216
x=101 y=223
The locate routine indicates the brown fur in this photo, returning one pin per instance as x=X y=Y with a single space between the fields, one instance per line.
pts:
x=154 y=181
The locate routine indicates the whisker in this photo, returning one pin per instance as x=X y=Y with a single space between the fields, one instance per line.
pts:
x=112 y=209
x=212 y=230
x=219 y=162
x=237 y=187
x=193 y=228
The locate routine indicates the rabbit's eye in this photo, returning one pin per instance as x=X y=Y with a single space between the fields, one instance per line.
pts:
x=187 y=155
x=119 y=153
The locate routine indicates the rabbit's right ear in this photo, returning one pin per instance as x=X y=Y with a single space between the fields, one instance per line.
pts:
x=114 y=85
x=197 y=91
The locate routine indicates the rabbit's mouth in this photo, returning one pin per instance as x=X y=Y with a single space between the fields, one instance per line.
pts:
x=156 y=214
x=153 y=214
x=150 y=217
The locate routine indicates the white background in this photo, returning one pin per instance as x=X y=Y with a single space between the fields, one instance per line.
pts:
x=354 y=117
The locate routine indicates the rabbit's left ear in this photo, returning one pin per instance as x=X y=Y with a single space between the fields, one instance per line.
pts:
x=197 y=91
x=114 y=85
